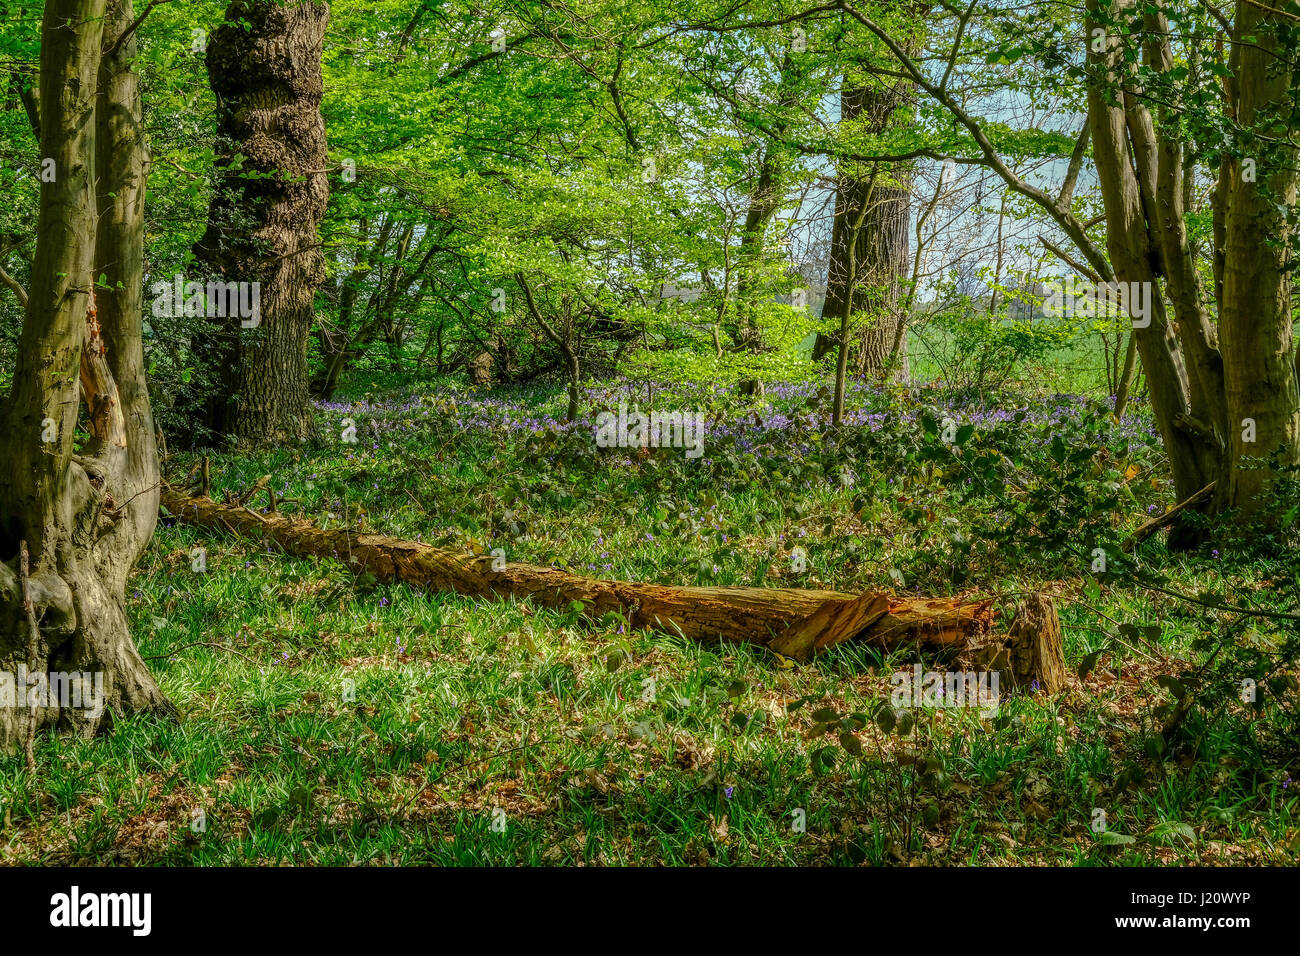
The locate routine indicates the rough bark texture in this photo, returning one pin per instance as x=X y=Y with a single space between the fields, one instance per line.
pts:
x=264 y=65
x=870 y=253
x=73 y=524
x=794 y=622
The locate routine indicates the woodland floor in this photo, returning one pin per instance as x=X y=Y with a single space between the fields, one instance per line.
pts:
x=502 y=734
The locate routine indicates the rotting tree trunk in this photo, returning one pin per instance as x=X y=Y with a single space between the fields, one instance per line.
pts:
x=264 y=65
x=793 y=622
x=73 y=523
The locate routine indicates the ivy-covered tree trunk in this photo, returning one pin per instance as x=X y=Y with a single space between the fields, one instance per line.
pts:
x=264 y=65
x=73 y=523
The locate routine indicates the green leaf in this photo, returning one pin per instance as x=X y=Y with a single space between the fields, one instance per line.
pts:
x=886 y=719
x=1172 y=684
x=1174 y=828
x=1111 y=838
x=1089 y=662
x=822 y=759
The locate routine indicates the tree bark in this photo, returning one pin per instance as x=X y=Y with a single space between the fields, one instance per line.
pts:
x=880 y=248
x=765 y=199
x=1127 y=170
x=1125 y=380
x=1206 y=388
x=264 y=65
x=73 y=524
x=793 y=622
x=1255 y=313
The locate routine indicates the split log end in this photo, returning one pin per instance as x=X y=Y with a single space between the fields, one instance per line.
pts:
x=1031 y=655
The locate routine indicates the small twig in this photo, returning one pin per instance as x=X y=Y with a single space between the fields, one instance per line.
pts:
x=1217 y=606
x=118 y=508
x=247 y=496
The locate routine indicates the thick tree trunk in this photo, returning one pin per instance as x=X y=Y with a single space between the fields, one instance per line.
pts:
x=264 y=65
x=1129 y=173
x=72 y=524
x=793 y=622
x=1225 y=401
x=879 y=249
x=1255 y=313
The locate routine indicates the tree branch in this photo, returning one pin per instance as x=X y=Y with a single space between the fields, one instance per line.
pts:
x=130 y=31
x=15 y=286
x=1064 y=218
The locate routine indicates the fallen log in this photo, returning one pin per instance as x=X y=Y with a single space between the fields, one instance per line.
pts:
x=794 y=622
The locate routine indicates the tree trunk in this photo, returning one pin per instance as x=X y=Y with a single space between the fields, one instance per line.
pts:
x=1222 y=402
x=765 y=199
x=264 y=65
x=1128 y=173
x=334 y=344
x=563 y=339
x=1125 y=379
x=794 y=622
x=1255 y=314
x=880 y=248
x=73 y=524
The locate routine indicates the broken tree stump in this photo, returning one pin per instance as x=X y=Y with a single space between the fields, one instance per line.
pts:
x=794 y=622
x=479 y=369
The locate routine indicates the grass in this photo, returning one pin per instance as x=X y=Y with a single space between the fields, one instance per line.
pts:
x=330 y=719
